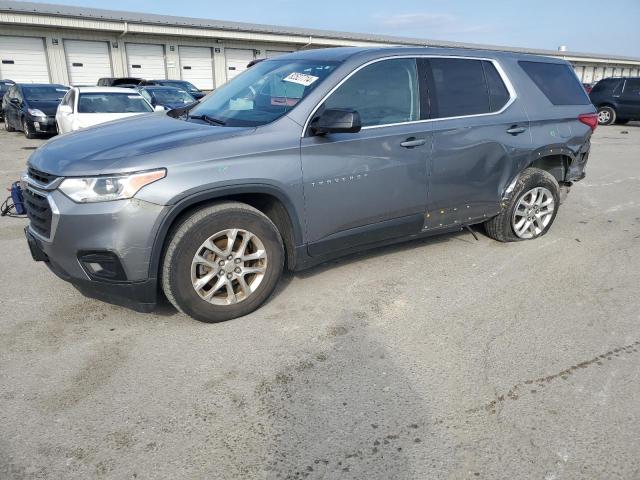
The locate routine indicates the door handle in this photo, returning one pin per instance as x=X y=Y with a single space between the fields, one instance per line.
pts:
x=515 y=130
x=412 y=142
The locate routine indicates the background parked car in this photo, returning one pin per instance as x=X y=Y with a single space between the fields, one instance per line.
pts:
x=32 y=107
x=182 y=84
x=4 y=88
x=84 y=107
x=167 y=97
x=119 y=81
x=617 y=100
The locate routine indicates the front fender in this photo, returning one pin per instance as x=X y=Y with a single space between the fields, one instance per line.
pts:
x=188 y=201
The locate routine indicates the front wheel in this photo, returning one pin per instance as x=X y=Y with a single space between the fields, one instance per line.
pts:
x=7 y=125
x=531 y=209
x=606 y=116
x=222 y=262
x=27 y=131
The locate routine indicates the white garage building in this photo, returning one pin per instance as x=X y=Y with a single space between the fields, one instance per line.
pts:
x=76 y=46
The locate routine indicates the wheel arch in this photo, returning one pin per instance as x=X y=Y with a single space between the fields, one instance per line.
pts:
x=556 y=161
x=268 y=199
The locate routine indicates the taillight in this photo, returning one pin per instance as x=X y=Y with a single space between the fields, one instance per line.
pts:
x=590 y=119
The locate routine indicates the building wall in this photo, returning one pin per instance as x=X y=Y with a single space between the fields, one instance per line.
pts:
x=54 y=30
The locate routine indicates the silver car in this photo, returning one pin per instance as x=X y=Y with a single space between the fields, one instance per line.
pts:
x=304 y=158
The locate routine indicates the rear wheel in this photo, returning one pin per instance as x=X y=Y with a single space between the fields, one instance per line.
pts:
x=606 y=115
x=222 y=262
x=531 y=210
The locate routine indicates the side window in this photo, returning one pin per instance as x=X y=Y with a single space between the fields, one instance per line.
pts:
x=459 y=88
x=498 y=93
x=557 y=81
x=146 y=95
x=632 y=87
x=383 y=93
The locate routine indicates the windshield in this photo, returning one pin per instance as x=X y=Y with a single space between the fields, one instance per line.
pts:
x=44 y=94
x=264 y=93
x=171 y=96
x=112 y=103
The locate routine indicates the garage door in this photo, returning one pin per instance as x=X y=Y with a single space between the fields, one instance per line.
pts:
x=196 y=66
x=146 y=61
x=237 y=60
x=23 y=60
x=87 y=61
x=275 y=53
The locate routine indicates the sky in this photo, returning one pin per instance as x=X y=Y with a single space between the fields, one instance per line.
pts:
x=547 y=24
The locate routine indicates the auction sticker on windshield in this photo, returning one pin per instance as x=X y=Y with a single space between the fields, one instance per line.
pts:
x=300 y=78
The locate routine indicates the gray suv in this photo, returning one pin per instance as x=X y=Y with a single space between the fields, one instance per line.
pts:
x=301 y=159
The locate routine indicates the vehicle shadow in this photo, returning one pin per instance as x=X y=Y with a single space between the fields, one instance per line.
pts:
x=164 y=308
x=376 y=252
x=343 y=409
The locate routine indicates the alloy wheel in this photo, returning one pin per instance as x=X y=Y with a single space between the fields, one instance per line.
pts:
x=228 y=267
x=533 y=213
x=604 y=116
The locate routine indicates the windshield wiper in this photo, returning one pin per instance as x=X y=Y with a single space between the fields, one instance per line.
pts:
x=207 y=118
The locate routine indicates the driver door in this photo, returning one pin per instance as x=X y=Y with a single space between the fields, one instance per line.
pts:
x=372 y=185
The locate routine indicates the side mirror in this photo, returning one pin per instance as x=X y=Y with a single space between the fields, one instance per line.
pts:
x=65 y=109
x=337 y=120
x=159 y=108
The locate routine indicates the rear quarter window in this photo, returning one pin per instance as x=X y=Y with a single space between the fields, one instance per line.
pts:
x=557 y=81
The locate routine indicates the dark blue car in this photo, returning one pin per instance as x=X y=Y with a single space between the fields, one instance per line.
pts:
x=167 y=97
x=181 y=84
x=31 y=107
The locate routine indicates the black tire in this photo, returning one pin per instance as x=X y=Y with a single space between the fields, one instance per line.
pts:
x=606 y=115
x=7 y=125
x=186 y=239
x=27 y=131
x=622 y=121
x=500 y=227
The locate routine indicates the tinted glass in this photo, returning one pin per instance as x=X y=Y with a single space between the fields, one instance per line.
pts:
x=180 y=84
x=44 y=93
x=498 y=93
x=264 y=92
x=172 y=95
x=605 y=85
x=112 y=103
x=383 y=93
x=460 y=88
x=557 y=81
x=632 y=87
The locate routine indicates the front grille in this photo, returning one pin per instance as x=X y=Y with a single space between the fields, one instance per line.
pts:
x=41 y=177
x=38 y=211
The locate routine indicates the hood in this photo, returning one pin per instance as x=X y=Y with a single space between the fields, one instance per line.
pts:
x=123 y=145
x=48 y=108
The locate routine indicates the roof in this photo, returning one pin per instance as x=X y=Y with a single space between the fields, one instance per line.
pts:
x=130 y=91
x=165 y=20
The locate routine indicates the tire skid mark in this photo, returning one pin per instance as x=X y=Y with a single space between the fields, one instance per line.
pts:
x=518 y=389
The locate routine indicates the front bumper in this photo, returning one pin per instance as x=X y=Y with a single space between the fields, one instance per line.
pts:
x=124 y=230
x=43 y=124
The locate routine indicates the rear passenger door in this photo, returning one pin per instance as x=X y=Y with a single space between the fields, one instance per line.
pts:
x=629 y=101
x=479 y=133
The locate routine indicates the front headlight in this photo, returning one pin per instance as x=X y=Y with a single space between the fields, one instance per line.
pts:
x=104 y=189
x=34 y=112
